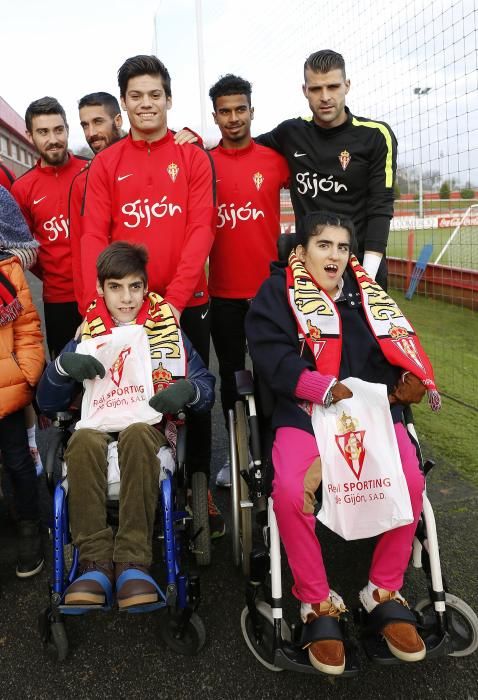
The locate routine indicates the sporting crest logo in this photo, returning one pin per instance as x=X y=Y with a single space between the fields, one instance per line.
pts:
x=173 y=171
x=314 y=331
x=405 y=343
x=116 y=369
x=344 y=159
x=161 y=378
x=258 y=180
x=350 y=443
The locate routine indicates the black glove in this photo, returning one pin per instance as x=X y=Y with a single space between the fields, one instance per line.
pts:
x=174 y=398
x=80 y=367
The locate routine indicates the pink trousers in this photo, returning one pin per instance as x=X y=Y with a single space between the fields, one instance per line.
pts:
x=294 y=453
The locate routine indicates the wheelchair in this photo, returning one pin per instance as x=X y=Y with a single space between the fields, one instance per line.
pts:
x=447 y=624
x=180 y=532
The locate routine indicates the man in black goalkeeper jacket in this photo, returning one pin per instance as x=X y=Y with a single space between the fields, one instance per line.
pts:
x=339 y=162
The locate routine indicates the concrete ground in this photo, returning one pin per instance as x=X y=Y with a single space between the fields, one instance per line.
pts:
x=121 y=656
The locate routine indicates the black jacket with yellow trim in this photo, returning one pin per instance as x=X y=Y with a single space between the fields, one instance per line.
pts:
x=349 y=169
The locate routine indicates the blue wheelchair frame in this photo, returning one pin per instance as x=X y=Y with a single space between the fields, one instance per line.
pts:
x=183 y=631
x=176 y=582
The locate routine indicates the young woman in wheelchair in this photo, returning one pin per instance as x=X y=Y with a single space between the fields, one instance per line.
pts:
x=323 y=277
x=180 y=380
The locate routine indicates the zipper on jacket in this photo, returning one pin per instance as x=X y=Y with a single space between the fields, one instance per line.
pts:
x=150 y=179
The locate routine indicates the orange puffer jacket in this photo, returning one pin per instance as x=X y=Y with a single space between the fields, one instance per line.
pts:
x=22 y=357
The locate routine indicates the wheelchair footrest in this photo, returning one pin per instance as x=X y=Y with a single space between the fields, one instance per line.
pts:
x=82 y=609
x=148 y=607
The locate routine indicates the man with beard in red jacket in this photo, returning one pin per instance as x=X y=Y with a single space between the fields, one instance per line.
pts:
x=101 y=121
x=42 y=193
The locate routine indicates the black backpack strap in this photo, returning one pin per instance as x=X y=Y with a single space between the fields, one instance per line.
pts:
x=321 y=628
x=390 y=611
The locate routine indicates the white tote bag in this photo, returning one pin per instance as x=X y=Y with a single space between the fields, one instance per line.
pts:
x=364 y=491
x=121 y=397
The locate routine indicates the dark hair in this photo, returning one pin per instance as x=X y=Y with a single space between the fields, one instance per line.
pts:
x=45 y=105
x=325 y=61
x=314 y=223
x=143 y=65
x=121 y=259
x=230 y=85
x=101 y=99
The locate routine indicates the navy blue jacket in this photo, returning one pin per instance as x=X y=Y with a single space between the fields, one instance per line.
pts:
x=56 y=391
x=280 y=359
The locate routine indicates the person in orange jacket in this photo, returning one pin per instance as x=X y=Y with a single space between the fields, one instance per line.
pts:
x=22 y=359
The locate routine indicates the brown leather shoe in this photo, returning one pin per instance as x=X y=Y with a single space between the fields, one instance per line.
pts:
x=327 y=655
x=135 y=591
x=402 y=638
x=86 y=591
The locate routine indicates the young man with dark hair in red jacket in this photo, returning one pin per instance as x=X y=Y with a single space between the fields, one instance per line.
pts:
x=249 y=179
x=147 y=189
x=42 y=193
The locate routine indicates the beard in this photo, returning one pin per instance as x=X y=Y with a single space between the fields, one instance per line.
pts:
x=55 y=157
x=97 y=144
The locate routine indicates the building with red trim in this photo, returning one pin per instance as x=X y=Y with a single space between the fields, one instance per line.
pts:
x=16 y=152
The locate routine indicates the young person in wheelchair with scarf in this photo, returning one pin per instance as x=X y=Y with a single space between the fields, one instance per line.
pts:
x=310 y=326
x=180 y=380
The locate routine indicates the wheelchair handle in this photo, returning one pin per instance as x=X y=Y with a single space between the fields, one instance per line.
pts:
x=285 y=243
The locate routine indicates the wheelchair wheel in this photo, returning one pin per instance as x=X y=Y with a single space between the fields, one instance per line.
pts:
x=242 y=523
x=262 y=650
x=194 y=636
x=462 y=623
x=201 y=534
x=53 y=636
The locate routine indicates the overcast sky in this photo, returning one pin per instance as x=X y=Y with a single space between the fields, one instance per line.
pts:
x=67 y=49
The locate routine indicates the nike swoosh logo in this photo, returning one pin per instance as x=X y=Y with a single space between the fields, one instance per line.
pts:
x=37 y=201
x=203 y=316
x=298 y=155
x=123 y=177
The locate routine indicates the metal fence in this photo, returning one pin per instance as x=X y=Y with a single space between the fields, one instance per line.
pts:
x=412 y=64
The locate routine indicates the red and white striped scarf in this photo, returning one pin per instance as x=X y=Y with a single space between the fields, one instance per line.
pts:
x=168 y=354
x=319 y=325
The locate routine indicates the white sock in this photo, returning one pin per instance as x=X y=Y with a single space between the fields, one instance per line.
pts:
x=371 y=587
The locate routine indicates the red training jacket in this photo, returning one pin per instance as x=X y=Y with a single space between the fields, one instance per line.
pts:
x=42 y=194
x=75 y=203
x=248 y=221
x=158 y=194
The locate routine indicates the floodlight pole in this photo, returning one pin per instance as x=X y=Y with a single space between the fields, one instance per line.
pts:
x=419 y=92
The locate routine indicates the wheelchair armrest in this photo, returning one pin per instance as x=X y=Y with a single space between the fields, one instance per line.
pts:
x=244 y=382
x=62 y=419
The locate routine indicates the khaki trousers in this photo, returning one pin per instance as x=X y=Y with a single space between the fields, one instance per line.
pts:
x=86 y=458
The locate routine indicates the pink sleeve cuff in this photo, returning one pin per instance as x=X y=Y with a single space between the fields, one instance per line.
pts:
x=313 y=386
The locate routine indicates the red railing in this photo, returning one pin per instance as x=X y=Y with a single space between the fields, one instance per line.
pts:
x=450 y=284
